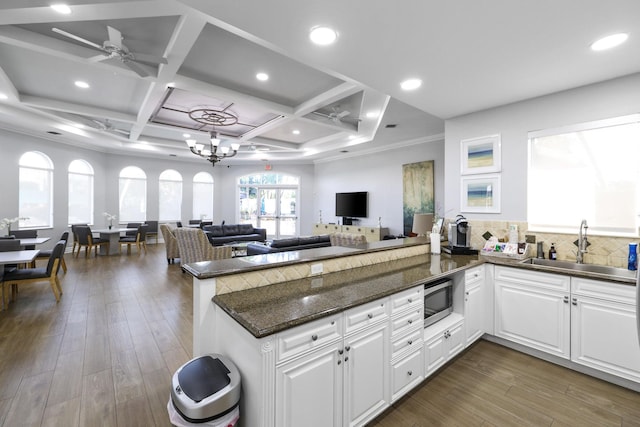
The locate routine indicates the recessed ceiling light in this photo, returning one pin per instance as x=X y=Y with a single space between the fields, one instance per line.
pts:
x=186 y=135
x=61 y=8
x=323 y=35
x=3 y=96
x=263 y=77
x=81 y=84
x=411 y=84
x=609 y=41
x=295 y=132
x=372 y=114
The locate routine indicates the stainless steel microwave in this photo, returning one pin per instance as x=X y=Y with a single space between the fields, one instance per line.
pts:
x=438 y=301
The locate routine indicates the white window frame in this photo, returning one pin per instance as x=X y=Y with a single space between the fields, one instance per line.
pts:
x=89 y=174
x=172 y=179
x=25 y=221
x=139 y=175
x=202 y=179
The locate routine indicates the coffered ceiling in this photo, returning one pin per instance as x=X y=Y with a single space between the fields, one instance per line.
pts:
x=319 y=102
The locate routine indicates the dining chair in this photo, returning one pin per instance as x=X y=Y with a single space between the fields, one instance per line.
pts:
x=46 y=253
x=86 y=239
x=7 y=245
x=152 y=231
x=140 y=239
x=75 y=237
x=132 y=225
x=170 y=243
x=39 y=274
x=25 y=234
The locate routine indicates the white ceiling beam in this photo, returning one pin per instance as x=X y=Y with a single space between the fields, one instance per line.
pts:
x=332 y=95
x=68 y=107
x=91 y=12
x=7 y=87
x=184 y=36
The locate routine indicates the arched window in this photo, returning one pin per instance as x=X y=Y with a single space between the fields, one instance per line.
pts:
x=170 y=195
x=35 y=190
x=203 y=195
x=80 y=192
x=133 y=195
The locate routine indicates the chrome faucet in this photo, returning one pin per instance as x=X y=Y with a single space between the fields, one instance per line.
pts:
x=582 y=242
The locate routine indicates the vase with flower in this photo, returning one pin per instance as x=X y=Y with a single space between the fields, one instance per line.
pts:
x=7 y=222
x=110 y=218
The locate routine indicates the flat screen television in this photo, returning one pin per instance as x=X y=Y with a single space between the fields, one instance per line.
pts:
x=352 y=205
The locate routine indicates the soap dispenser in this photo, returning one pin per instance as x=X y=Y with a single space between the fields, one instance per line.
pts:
x=633 y=256
x=553 y=255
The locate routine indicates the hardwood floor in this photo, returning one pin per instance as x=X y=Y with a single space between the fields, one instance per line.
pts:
x=104 y=356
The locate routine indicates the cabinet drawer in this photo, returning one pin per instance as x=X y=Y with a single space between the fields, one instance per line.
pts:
x=309 y=336
x=364 y=315
x=523 y=277
x=406 y=342
x=406 y=299
x=617 y=292
x=406 y=374
x=474 y=275
x=413 y=319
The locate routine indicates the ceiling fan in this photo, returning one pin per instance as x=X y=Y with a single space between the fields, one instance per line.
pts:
x=107 y=126
x=337 y=116
x=113 y=48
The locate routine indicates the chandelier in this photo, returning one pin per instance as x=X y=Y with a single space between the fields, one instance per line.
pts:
x=214 y=153
x=212 y=117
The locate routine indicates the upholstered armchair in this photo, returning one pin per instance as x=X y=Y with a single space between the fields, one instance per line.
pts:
x=194 y=246
x=170 y=243
x=347 y=239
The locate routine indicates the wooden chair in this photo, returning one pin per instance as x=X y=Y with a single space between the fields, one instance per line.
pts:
x=140 y=239
x=152 y=231
x=32 y=275
x=86 y=239
x=75 y=237
x=47 y=252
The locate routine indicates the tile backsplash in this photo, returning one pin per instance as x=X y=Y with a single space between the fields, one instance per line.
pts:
x=603 y=250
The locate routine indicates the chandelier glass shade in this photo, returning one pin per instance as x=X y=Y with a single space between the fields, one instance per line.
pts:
x=213 y=153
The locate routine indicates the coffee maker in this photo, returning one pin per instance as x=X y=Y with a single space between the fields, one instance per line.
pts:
x=459 y=237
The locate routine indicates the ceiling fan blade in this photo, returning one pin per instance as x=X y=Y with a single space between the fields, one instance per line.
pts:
x=77 y=38
x=151 y=59
x=137 y=68
x=98 y=58
x=115 y=37
x=342 y=114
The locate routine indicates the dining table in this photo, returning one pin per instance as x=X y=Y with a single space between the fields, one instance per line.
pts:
x=113 y=234
x=33 y=241
x=14 y=257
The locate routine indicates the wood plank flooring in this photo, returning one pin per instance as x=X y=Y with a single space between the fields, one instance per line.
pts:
x=104 y=356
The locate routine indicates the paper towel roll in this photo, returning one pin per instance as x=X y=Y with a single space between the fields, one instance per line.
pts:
x=435 y=243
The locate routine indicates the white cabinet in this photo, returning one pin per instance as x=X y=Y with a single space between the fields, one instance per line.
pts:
x=309 y=389
x=604 y=333
x=442 y=341
x=334 y=372
x=532 y=308
x=373 y=234
x=475 y=307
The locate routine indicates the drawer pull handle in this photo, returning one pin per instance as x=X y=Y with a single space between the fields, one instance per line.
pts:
x=410 y=342
x=347 y=348
x=339 y=362
x=314 y=337
x=410 y=373
x=410 y=321
x=340 y=351
x=410 y=300
x=346 y=359
x=370 y=316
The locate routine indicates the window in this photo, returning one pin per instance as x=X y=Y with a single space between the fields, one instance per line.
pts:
x=35 y=190
x=170 y=195
x=133 y=195
x=80 y=193
x=588 y=171
x=203 y=195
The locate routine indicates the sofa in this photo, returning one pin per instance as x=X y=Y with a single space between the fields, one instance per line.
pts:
x=220 y=234
x=289 y=244
x=194 y=247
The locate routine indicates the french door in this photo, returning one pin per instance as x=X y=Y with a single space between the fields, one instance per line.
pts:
x=278 y=211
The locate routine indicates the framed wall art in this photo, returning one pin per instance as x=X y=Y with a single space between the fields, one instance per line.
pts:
x=480 y=155
x=480 y=193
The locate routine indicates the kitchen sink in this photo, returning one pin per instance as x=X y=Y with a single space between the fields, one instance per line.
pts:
x=574 y=266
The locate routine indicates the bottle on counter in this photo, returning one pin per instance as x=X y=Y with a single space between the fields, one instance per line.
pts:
x=633 y=256
x=553 y=255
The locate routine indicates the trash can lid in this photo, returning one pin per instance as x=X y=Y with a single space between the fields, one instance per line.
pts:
x=203 y=377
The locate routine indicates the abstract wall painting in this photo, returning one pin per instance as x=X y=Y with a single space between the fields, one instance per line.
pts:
x=480 y=193
x=418 y=191
x=480 y=155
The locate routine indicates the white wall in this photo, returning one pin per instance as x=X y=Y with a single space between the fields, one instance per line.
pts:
x=600 y=101
x=381 y=175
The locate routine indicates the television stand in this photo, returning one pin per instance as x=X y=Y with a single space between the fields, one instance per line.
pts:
x=347 y=220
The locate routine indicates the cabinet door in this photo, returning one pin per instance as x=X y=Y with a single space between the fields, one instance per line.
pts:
x=604 y=336
x=406 y=374
x=434 y=353
x=366 y=367
x=454 y=340
x=474 y=312
x=535 y=317
x=309 y=389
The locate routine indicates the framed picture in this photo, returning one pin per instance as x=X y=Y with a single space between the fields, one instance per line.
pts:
x=480 y=155
x=480 y=193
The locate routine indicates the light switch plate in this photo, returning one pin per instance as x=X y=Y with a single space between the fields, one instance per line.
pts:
x=316 y=269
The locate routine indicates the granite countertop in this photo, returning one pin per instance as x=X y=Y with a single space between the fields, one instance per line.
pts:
x=269 y=309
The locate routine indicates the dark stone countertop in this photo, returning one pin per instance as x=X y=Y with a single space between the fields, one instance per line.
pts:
x=269 y=309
